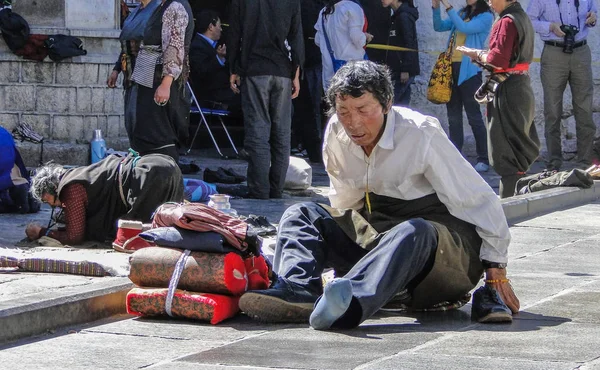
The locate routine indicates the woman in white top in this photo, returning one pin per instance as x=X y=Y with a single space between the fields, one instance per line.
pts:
x=345 y=24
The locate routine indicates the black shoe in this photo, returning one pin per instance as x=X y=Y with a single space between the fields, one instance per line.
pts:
x=218 y=176
x=260 y=225
x=231 y=172
x=488 y=306
x=285 y=302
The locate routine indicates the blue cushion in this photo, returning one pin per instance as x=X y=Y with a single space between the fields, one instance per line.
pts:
x=175 y=237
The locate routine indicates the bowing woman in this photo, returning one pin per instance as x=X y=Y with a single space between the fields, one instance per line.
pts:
x=513 y=141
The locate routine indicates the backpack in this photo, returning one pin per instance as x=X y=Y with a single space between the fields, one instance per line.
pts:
x=15 y=29
x=63 y=46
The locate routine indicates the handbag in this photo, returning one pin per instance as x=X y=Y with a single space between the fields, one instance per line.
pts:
x=439 y=90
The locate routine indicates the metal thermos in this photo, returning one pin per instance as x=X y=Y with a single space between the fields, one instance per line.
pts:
x=98 y=146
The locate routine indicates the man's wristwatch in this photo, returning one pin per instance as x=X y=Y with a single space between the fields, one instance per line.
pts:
x=493 y=265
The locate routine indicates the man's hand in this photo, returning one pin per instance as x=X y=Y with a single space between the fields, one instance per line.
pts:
x=435 y=4
x=33 y=231
x=295 y=87
x=404 y=77
x=504 y=288
x=234 y=83
x=112 y=79
x=222 y=51
x=555 y=28
x=369 y=37
x=590 y=20
x=446 y=3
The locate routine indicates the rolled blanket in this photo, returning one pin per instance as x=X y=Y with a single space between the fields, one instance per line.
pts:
x=203 y=272
x=200 y=306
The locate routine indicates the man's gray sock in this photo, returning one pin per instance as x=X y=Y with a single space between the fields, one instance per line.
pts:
x=334 y=302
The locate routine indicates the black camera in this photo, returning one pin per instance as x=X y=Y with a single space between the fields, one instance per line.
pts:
x=570 y=32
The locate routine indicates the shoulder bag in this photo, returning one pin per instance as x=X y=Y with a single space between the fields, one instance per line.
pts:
x=439 y=90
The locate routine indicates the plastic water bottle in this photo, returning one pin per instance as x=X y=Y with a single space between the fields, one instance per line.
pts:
x=98 y=146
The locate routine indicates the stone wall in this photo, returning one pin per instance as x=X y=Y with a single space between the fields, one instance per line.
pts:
x=63 y=102
x=66 y=101
x=434 y=41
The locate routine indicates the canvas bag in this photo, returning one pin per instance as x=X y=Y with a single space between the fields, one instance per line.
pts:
x=298 y=175
x=439 y=90
x=14 y=28
x=64 y=46
x=552 y=179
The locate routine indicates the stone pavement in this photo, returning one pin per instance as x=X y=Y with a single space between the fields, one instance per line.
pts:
x=554 y=270
x=38 y=303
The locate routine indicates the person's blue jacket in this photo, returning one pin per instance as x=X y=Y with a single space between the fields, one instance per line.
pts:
x=476 y=31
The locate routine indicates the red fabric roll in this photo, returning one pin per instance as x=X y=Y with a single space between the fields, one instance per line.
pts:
x=203 y=272
x=199 y=306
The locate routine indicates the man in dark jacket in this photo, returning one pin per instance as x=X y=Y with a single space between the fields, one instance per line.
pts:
x=403 y=33
x=266 y=53
x=306 y=122
x=209 y=70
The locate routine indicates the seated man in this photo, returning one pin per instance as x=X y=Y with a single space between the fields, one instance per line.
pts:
x=409 y=217
x=94 y=197
x=14 y=179
x=209 y=71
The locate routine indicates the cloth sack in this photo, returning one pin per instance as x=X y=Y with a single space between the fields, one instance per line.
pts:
x=439 y=89
x=299 y=175
x=63 y=46
x=15 y=29
x=175 y=237
x=213 y=308
x=202 y=272
x=34 y=49
x=552 y=179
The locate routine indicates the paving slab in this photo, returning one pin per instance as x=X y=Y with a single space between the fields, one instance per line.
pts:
x=37 y=313
x=531 y=339
x=310 y=349
x=102 y=351
x=413 y=361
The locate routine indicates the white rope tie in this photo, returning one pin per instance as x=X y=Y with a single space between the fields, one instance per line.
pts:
x=179 y=266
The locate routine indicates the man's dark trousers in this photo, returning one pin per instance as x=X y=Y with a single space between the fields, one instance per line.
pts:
x=310 y=240
x=306 y=120
x=267 y=108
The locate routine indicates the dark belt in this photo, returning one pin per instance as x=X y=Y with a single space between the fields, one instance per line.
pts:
x=560 y=44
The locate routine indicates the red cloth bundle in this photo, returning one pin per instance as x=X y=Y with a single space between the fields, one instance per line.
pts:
x=200 y=306
x=203 y=272
x=257 y=272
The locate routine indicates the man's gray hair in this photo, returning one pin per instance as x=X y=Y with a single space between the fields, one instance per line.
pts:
x=356 y=78
x=46 y=180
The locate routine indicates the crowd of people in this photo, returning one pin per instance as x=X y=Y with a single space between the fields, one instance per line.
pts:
x=337 y=31
x=410 y=220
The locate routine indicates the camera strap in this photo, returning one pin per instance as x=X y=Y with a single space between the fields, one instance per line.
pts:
x=576 y=12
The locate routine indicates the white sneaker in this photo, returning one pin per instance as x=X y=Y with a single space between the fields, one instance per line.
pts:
x=481 y=167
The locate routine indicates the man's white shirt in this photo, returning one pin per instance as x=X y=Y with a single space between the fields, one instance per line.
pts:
x=412 y=159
